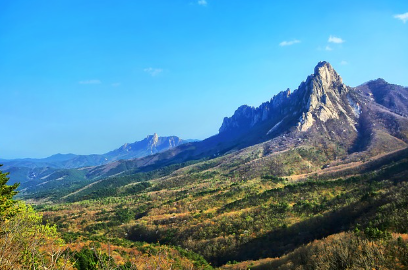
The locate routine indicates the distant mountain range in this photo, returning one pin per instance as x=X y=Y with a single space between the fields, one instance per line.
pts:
x=152 y=144
x=340 y=123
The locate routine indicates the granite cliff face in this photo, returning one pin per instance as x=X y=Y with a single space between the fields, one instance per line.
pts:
x=246 y=117
x=326 y=97
x=323 y=96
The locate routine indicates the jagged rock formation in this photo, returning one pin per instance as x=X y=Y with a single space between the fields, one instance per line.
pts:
x=324 y=108
x=321 y=97
x=246 y=117
x=322 y=101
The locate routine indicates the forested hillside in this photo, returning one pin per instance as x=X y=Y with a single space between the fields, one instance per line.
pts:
x=228 y=219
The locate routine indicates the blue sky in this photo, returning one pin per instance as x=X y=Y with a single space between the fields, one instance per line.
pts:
x=82 y=76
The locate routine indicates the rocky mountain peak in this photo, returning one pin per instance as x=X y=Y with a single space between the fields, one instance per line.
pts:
x=150 y=145
x=380 y=81
x=324 y=69
x=324 y=97
x=325 y=77
x=155 y=137
x=153 y=140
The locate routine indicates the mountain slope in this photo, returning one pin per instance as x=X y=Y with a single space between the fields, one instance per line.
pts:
x=222 y=211
x=391 y=96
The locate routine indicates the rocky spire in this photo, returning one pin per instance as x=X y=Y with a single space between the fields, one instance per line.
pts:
x=323 y=94
x=326 y=72
x=321 y=97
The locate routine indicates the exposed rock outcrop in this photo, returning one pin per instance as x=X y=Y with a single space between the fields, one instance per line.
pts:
x=326 y=97
x=323 y=96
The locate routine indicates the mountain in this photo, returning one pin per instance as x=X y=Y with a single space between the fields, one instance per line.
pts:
x=323 y=112
x=324 y=108
x=31 y=172
x=323 y=123
x=392 y=96
x=150 y=145
x=319 y=102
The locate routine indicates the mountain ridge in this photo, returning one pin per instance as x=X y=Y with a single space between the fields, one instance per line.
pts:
x=149 y=145
x=341 y=123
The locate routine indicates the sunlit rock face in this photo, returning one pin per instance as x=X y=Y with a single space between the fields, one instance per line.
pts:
x=321 y=97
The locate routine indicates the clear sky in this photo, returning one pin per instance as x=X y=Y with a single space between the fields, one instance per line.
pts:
x=86 y=76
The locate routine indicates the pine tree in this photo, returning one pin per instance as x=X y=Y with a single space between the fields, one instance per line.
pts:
x=6 y=196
